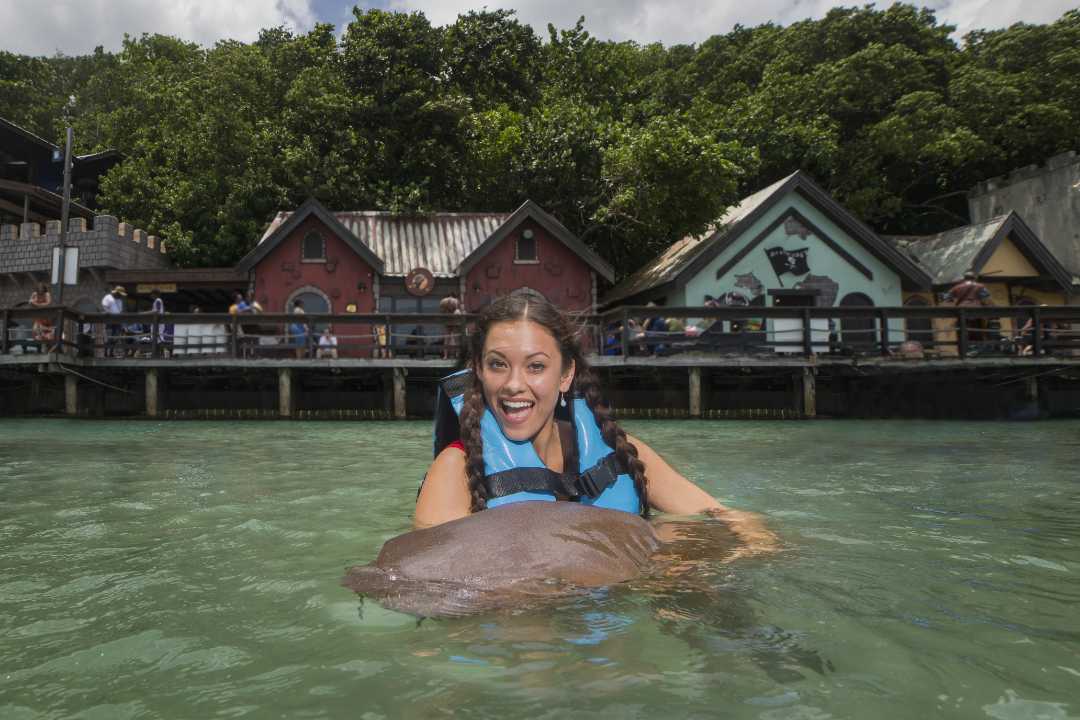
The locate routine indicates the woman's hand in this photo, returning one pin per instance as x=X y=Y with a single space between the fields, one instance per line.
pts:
x=670 y=492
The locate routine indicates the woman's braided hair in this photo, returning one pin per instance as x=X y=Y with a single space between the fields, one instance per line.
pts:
x=534 y=307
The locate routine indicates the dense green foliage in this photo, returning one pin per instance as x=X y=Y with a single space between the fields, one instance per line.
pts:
x=630 y=146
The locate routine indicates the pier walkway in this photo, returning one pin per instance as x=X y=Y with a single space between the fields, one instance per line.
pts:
x=679 y=362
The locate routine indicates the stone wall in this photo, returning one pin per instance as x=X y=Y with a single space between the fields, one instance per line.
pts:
x=1047 y=198
x=26 y=256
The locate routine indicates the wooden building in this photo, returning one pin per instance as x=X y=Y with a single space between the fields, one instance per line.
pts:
x=789 y=244
x=32 y=173
x=379 y=261
x=366 y=261
x=1007 y=257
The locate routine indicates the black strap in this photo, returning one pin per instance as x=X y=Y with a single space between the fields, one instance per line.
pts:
x=590 y=483
x=457 y=383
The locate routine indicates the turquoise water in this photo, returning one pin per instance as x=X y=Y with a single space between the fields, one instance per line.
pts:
x=190 y=570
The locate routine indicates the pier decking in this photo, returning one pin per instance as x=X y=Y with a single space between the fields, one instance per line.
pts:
x=737 y=362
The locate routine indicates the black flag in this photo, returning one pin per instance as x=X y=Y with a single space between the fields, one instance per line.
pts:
x=784 y=261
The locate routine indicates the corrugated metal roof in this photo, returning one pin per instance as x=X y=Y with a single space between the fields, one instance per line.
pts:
x=436 y=241
x=948 y=255
x=667 y=266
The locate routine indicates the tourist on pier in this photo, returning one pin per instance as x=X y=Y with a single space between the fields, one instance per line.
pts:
x=239 y=305
x=1026 y=339
x=113 y=304
x=298 y=331
x=529 y=394
x=327 y=344
x=451 y=306
x=252 y=303
x=43 y=330
x=971 y=293
x=157 y=307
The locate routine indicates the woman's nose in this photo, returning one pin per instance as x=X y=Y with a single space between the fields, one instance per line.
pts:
x=516 y=379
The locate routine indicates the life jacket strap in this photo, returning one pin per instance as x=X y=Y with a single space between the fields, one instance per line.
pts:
x=590 y=483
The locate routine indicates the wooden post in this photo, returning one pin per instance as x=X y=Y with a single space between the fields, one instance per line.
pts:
x=807 y=339
x=58 y=330
x=695 y=392
x=5 y=318
x=155 y=348
x=961 y=333
x=1037 y=348
x=234 y=345
x=625 y=333
x=285 y=396
x=808 y=383
x=399 y=393
x=1031 y=389
x=71 y=395
x=153 y=395
x=883 y=318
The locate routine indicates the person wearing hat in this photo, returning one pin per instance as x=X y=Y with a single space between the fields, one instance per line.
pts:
x=113 y=304
x=971 y=293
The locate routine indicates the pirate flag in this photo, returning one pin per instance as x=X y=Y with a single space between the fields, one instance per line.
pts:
x=784 y=261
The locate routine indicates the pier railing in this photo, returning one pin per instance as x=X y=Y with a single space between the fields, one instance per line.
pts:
x=629 y=332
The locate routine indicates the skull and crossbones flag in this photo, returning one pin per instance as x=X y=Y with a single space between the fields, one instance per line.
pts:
x=788 y=261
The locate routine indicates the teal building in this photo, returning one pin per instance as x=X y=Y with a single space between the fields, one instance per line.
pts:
x=787 y=245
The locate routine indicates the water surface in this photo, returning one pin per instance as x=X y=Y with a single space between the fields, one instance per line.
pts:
x=190 y=570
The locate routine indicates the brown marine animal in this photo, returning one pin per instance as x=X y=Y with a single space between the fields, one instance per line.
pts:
x=506 y=557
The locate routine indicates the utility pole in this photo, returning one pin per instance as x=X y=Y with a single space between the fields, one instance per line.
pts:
x=64 y=210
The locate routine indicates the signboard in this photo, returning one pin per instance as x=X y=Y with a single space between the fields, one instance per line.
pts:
x=147 y=288
x=419 y=282
x=71 y=266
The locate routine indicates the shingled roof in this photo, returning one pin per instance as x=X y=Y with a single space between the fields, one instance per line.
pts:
x=948 y=255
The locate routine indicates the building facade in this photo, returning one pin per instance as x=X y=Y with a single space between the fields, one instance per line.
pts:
x=1047 y=198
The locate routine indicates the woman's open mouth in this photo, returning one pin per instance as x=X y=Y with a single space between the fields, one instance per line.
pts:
x=516 y=411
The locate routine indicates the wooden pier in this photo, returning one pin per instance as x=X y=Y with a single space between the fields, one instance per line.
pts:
x=876 y=363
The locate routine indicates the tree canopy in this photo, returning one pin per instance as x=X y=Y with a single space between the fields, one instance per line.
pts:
x=632 y=146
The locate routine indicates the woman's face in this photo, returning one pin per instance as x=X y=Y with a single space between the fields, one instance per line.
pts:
x=522 y=374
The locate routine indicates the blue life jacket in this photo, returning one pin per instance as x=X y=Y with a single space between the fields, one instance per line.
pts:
x=514 y=472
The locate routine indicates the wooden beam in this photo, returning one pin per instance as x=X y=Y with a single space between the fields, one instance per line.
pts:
x=695 y=392
x=400 y=411
x=23 y=211
x=285 y=388
x=71 y=395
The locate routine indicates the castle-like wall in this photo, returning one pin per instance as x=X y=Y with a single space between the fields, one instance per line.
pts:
x=109 y=243
x=26 y=252
x=1047 y=198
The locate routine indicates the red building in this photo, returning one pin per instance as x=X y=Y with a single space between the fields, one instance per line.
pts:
x=362 y=262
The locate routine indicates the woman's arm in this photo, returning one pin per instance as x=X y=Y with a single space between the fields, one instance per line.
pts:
x=670 y=492
x=445 y=494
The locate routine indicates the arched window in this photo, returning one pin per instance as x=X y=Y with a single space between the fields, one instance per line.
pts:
x=315 y=303
x=313 y=248
x=525 y=248
x=921 y=330
x=857 y=334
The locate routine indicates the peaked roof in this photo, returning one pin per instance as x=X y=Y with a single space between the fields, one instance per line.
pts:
x=948 y=255
x=447 y=244
x=285 y=223
x=685 y=258
x=531 y=210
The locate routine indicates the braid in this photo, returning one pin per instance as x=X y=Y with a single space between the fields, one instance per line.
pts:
x=589 y=387
x=472 y=411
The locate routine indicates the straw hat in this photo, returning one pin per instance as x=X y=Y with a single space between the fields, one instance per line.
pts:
x=119 y=290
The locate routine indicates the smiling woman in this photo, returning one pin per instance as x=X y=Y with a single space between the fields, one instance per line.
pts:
x=530 y=424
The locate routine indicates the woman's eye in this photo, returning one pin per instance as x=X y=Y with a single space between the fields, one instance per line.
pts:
x=496 y=364
x=537 y=367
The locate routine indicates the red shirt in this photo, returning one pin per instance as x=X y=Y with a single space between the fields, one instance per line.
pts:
x=457 y=444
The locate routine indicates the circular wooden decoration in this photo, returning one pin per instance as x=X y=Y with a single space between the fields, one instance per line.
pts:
x=419 y=282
